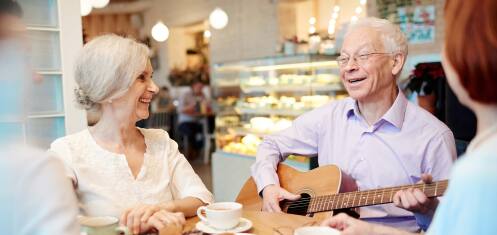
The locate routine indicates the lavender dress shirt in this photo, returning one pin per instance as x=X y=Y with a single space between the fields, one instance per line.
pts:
x=406 y=142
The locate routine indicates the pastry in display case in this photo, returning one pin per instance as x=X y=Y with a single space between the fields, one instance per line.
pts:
x=269 y=94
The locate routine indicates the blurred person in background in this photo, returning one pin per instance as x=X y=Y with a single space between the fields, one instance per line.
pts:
x=35 y=198
x=117 y=169
x=469 y=204
x=164 y=101
x=193 y=107
x=163 y=112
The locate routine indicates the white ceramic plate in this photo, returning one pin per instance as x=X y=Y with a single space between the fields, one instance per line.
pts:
x=243 y=226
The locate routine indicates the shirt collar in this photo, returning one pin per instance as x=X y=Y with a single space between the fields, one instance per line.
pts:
x=395 y=115
x=351 y=108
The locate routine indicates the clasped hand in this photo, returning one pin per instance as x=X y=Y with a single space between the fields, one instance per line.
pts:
x=144 y=217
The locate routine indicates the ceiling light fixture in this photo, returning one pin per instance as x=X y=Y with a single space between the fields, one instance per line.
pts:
x=160 y=32
x=85 y=7
x=218 y=18
x=99 y=3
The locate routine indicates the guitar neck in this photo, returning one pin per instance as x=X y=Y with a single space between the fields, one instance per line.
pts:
x=370 y=197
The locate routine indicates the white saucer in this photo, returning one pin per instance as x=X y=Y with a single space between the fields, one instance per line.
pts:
x=243 y=226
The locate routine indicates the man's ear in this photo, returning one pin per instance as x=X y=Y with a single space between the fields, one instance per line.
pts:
x=398 y=63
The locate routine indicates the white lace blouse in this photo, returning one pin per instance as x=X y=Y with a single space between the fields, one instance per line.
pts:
x=105 y=184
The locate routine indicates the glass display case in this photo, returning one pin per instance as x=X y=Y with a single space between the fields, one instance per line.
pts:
x=258 y=97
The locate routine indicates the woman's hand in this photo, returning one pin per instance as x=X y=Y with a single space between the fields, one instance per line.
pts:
x=163 y=218
x=136 y=217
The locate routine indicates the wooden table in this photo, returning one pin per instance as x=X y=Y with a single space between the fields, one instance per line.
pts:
x=263 y=223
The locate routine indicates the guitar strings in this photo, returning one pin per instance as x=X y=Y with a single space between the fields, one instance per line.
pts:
x=369 y=192
x=305 y=202
x=428 y=189
x=300 y=205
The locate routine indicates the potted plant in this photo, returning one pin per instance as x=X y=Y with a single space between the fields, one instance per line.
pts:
x=423 y=81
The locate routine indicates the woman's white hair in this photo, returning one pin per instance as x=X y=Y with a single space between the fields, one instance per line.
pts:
x=394 y=40
x=106 y=68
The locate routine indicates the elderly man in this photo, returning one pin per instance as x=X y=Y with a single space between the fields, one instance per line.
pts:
x=376 y=136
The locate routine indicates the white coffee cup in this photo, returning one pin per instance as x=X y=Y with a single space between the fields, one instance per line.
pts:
x=221 y=215
x=101 y=225
x=316 y=230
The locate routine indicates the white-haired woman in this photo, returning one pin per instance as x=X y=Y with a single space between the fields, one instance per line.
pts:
x=118 y=169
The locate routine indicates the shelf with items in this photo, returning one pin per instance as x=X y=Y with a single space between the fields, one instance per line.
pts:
x=271 y=112
x=286 y=80
x=293 y=88
x=271 y=93
x=282 y=105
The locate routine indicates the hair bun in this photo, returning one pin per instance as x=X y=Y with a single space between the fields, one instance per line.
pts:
x=82 y=99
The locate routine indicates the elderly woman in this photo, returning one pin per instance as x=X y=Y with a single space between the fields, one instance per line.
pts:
x=35 y=197
x=469 y=205
x=116 y=168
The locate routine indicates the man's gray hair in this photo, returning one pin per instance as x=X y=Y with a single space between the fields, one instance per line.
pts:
x=106 y=68
x=394 y=40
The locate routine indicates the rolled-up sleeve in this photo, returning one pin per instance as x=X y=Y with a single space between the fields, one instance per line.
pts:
x=301 y=138
x=185 y=182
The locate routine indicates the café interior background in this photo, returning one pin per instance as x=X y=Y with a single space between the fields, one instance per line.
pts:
x=264 y=62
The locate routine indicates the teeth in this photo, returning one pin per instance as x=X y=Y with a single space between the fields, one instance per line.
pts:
x=356 y=80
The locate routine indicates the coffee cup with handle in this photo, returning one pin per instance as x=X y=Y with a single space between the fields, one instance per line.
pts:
x=102 y=225
x=221 y=215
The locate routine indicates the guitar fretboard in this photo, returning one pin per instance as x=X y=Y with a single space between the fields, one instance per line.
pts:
x=370 y=197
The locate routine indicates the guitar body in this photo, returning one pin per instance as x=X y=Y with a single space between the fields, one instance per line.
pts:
x=325 y=180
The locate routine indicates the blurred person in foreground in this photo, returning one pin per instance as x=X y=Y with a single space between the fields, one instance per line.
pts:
x=375 y=136
x=35 y=198
x=118 y=169
x=469 y=204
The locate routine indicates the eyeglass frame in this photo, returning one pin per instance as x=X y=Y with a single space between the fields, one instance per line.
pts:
x=365 y=58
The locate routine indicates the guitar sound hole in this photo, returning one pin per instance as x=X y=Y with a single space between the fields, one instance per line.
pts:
x=298 y=207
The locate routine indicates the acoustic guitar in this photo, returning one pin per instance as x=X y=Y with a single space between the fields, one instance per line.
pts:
x=326 y=189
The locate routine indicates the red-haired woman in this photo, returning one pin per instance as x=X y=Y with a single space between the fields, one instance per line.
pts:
x=470 y=63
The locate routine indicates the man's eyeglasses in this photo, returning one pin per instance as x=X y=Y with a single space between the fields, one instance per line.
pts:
x=360 y=59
